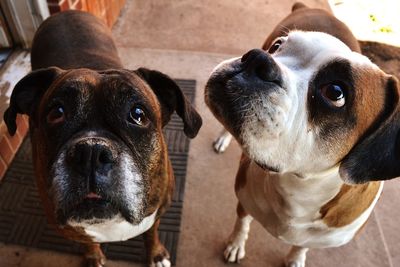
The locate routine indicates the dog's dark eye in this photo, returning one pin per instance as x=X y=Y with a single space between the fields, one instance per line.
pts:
x=56 y=115
x=137 y=116
x=334 y=94
x=275 y=46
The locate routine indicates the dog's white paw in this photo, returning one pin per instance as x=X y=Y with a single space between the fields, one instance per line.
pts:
x=222 y=142
x=235 y=251
x=295 y=264
x=162 y=263
x=296 y=257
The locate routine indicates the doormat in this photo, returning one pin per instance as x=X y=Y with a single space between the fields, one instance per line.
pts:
x=22 y=219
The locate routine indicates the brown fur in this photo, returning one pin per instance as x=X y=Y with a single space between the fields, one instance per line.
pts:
x=313 y=19
x=241 y=213
x=56 y=43
x=155 y=250
x=349 y=204
x=240 y=181
x=369 y=103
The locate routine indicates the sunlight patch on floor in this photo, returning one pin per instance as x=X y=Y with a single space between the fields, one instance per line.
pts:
x=372 y=20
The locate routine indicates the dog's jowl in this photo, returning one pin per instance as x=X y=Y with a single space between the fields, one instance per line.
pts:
x=319 y=127
x=99 y=153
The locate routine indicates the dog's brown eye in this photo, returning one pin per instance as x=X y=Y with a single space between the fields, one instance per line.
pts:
x=56 y=115
x=334 y=94
x=137 y=116
x=275 y=46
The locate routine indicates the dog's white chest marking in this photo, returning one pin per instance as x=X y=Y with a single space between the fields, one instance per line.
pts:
x=115 y=229
x=289 y=207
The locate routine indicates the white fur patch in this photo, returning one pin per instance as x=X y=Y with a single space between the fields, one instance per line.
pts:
x=115 y=229
x=235 y=250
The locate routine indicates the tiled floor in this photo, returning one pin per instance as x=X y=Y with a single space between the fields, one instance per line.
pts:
x=186 y=40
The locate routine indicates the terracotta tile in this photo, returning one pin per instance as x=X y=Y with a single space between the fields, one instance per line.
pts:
x=6 y=151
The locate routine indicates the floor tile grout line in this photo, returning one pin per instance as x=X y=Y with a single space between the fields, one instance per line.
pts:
x=378 y=222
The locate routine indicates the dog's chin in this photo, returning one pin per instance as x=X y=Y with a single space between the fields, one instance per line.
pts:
x=92 y=209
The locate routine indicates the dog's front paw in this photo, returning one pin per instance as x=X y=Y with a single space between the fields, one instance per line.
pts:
x=235 y=251
x=162 y=262
x=94 y=262
x=295 y=264
x=161 y=259
x=296 y=257
x=222 y=142
x=94 y=257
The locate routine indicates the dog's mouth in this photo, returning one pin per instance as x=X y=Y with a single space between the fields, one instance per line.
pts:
x=91 y=206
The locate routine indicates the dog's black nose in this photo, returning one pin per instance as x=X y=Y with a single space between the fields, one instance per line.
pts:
x=91 y=159
x=258 y=62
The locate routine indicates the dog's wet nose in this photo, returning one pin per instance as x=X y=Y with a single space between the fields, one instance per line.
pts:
x=91 y=159
x=259 y=63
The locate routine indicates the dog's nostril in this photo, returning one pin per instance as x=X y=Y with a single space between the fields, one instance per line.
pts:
x=262 y=65
x=104 y=155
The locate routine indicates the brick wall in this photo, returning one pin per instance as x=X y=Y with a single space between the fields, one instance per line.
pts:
x=107 y=10
x=9 y=144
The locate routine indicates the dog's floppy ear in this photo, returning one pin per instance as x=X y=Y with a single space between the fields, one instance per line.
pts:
x=26 y=94
x=298 y=5
x=377 y=156
x=172 y=99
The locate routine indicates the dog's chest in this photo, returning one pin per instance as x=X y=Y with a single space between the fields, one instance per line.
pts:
x=115 y=229
x=289 y=208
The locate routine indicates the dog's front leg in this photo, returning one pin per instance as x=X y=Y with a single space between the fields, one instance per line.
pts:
x=157 y=254
x=235 y=250
x=296 y=257
x=94 y=257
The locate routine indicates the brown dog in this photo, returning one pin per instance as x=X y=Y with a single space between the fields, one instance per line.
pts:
x=312 y=116
x=99 y=153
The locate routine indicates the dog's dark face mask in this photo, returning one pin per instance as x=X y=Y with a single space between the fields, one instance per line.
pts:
x=97 y=140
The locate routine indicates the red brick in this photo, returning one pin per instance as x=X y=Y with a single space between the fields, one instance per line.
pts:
x=77 y=5
x=5 y=150
x=53 y=1
x=3 y=168
x=14 y=141
x=64 y=5
x=54 y=8
x=22 y=125
x=83 y=5
x=93 y=7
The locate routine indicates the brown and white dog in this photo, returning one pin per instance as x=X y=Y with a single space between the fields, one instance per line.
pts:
x=319 y=126
x=100 y=158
